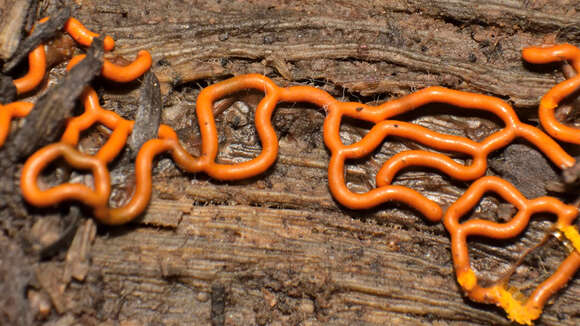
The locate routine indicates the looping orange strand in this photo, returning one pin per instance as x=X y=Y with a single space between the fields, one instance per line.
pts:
x=42 y=198
x=37 y=68
x=9 y=111
x=551 y=100
x=521 y=312
x=383 y=128
x=120 y=74
x=37 y=57
x=98 y=198
x=84 y=36
x=339 y=152
x=167 y=142
x=36 y=71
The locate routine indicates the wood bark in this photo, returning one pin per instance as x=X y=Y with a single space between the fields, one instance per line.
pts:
x=277 y=249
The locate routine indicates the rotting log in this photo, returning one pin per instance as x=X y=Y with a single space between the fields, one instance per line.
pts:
x=277 y=249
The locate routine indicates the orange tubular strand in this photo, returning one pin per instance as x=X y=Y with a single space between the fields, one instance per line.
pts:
x=124 y=74
x=549 y=103
x=142 y=194
x=383 y=128
x=9 y=111
x=551 y=100
x=39 y=160
x=530 y=310
x=116 y=141
x=120 y=74
x=561 y=52
x=339 y=152
x=74 y=61
x=377 y=196
x=95 y=113
x=263 y=126
x=36 y=68
x=556 y=281
x=36 y=71
x=84 y=36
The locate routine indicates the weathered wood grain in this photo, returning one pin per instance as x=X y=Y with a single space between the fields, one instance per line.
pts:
x=283 y=249
x=392 y=48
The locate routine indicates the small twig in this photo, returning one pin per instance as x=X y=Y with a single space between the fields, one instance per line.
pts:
x=505 y=278
x=148 y=115
x=32 y=16
x=218 y=304
x=7 y=89
x=66 y=237
x=568 y=70
x=11 y=25
x=45 y=122
x=42 y=33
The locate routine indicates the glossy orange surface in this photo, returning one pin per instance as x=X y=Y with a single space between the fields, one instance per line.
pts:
x=552 y=99
x=97 y=196
x=340 y=152
x=522 y=312
x=37 y=70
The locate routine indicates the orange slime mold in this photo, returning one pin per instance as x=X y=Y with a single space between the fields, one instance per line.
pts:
x=479 y=151
x=121 y=74
x=37 y=58
x=340 y=152
x=167 y=142
x=531 y=309
x=98 y=198
x=552 y=99
x=37 y=70
x=84 y=36
x=7 y=112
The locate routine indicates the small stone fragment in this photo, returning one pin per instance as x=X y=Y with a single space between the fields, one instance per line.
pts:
x=49 y=276
x=39 y=303
x=11 y=27
x=77 y=257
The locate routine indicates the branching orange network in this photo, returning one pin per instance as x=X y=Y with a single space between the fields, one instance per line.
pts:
x=167 y=141
x=521 y=312
x=340 y=152
x=551 y=100
x=37 y=71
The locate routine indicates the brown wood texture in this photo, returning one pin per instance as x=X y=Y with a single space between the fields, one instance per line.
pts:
x=277 y=249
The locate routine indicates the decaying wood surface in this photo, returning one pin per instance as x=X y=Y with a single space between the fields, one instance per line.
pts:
x=277 y=249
